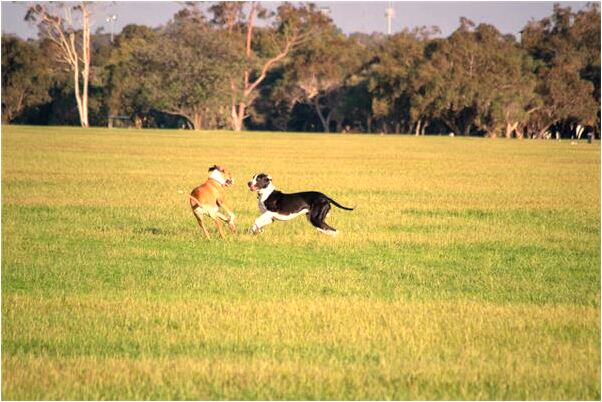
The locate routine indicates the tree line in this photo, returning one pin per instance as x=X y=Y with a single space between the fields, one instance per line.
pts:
x=239 y=66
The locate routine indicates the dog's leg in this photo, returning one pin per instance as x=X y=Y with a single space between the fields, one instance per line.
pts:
x=264 y=219
x=317 y=216
x=216 y=216
x=198 y=214
x=230 y=221
x=219 y=228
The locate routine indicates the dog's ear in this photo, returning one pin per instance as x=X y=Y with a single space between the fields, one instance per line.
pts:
x=269 y=178
x=212 y=168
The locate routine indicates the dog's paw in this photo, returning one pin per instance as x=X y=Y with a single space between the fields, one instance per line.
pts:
x=232 y=226
x=332 y=233
x=255 y=230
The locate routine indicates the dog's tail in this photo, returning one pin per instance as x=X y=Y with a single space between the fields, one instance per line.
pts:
x=198 y=204
x=339 y=205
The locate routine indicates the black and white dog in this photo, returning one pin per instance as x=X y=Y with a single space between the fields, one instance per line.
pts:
x=275 y=205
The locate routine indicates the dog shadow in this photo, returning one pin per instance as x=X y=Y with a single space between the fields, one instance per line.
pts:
x=151 y=230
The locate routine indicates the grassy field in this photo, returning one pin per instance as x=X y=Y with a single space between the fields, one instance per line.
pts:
x=469 y=270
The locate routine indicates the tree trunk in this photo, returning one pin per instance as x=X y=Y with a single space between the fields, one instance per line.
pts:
x=238 y=116
x=81 y=93
x=7 y=115
x=86 y=55
x=197 y=120
x=455 y=129
x=325 y=122
x=137 y=122
x=385 y=128
x=510 y=128
x=233 y=113
x=248 y=86
x=519 y=132
x=78 y=98
x=542 y=133
x=466 y=131
x=579 y=131
x=417 y=131
x=239 y=107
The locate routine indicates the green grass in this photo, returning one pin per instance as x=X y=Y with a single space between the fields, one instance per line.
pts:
x=469 y=270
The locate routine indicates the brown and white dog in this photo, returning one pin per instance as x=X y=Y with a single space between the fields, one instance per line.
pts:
x=209 y=197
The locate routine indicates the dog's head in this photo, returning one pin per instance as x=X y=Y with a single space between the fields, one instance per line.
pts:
x=221 y=175
x=259 y=182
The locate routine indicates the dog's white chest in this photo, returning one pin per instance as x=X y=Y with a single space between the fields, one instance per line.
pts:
x=261 y=205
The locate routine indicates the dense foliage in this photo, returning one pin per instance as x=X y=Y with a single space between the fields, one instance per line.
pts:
x=296 y=71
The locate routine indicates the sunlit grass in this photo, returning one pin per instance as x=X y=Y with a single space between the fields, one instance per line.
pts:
x=303 y=349
x=469 y=270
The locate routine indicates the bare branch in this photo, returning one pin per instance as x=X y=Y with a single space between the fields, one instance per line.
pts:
x=266 y=67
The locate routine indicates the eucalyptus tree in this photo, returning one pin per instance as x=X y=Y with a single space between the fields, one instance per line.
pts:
x=192 y=69
x=446 y=84
x=476 y=81
x=566 y=48
x=317 y=73
x=391 y=77
x=67 y=28
x=183 y=69
x=26 y=77
x=126 y=72
x=263 y=49
x=506 y=92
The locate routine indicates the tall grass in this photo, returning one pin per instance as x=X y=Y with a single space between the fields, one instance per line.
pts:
x=469 y=270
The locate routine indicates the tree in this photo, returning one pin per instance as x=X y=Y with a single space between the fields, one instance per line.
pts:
x=586 y=31
x=447 y=82
x=25 y=77
x=566 y=48
x=68 y=29
x=289 y=27
x=195 y=70
x=124 y=93
x=476 y=81
x=317 y=73
x=295 y=70
x=391 y=78
x=183 y=70
x=506 y=95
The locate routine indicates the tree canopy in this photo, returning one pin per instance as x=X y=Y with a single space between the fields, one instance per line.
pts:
x=236 y=65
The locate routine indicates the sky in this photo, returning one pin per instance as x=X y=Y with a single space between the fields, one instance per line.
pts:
x=350 y=16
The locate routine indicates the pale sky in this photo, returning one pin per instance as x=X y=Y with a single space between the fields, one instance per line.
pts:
x=350 y=16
